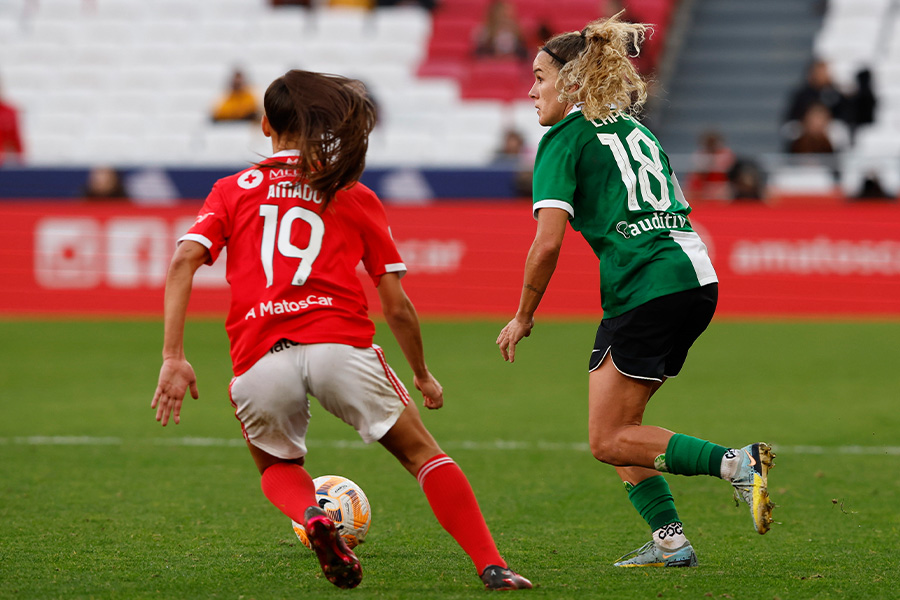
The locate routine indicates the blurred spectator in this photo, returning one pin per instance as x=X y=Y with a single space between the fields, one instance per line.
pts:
x=239 y=103
x=360 y=4
x=512 y=147
x=500 y=35
x=871 y=188
x=542 y=33
x=712 y=161
x=815 y=132
x=513 y=153
x=746 y=180
x=610 y=7
x=10 y=135
x=426 y=4
x=818 y=89
x=862 y=102
x=291 y=2
x=104 y=183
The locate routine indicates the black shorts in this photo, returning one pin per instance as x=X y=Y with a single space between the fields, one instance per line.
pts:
x=652 y=340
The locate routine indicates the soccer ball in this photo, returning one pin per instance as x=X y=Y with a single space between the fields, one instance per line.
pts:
x=346 y=505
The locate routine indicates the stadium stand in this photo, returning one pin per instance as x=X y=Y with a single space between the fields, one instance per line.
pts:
x=857 y=35
x=738 y=63
x=863 y=34
x=451 y=46
x=132 y=82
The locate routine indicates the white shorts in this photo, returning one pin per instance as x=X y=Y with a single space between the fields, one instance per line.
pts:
x=355 y=384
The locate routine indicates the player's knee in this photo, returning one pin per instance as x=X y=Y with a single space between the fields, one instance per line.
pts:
x=605 y=449
x=411 y=450
x=263 y=462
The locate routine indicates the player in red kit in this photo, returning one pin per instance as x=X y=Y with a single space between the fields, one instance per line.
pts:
x=296 y=226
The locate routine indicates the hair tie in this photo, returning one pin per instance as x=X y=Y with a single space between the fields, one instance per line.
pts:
x=553 y=55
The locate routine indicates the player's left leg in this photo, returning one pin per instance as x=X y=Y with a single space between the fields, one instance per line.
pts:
x=285 y=483
x=271 y=404
x=272 y=407
x=649 y=493
x=451 y=498
x=290 y=488
x=618 y=437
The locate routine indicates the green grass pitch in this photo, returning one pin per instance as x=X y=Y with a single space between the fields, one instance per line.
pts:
x=98 y=501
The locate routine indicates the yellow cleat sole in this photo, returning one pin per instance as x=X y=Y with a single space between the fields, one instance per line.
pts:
x=762 y=505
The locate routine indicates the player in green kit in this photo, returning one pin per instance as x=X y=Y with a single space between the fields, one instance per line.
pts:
x=598 y=169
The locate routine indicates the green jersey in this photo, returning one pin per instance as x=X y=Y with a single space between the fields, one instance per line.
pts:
x=614 y=180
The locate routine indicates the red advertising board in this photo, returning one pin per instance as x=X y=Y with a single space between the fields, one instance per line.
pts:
x=464 y=259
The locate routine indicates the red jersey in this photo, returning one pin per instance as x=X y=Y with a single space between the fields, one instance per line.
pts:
x=292 y=265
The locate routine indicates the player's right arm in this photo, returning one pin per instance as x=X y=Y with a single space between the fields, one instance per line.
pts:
x=177 y=374
x=539 y=267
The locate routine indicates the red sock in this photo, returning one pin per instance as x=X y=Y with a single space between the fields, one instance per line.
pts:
x=290 y=488
x=454 y=504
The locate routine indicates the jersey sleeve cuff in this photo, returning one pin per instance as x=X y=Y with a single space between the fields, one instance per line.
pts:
x=203 y=241
x=195 y=237
x=398 y=268
x=553 y=204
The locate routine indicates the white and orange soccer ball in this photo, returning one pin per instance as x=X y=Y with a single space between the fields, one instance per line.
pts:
x=346 y=505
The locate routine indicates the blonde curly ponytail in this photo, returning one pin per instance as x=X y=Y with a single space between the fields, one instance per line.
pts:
x=597 y=71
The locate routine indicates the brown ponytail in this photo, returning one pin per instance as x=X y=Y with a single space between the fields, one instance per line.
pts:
x=330 y=118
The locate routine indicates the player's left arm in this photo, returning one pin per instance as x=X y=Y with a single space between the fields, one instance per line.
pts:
x=177 y=374
x=539 y=267
x=403 y=320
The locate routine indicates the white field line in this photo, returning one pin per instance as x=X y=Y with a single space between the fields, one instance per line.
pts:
x=40 y=440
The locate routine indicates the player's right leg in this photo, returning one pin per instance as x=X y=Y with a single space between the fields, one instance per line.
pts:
x=618 y=438
x=626 y=368
x=451 y=498
x=746 y=468
x=750 y=478
x=358 y=386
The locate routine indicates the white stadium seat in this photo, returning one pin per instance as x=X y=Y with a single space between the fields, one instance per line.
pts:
x=123 y=71
x=802 y=179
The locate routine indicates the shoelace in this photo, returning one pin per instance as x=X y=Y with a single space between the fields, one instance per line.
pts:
x=637 y=552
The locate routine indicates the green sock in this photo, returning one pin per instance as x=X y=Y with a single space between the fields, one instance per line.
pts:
x=686 y=455
x=654 y=502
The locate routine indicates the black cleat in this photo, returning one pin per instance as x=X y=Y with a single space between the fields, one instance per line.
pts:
x=501 y=578
x=340 y=565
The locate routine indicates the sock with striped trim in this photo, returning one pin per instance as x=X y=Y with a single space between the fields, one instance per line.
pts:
x=454 y=504
x=290 y=488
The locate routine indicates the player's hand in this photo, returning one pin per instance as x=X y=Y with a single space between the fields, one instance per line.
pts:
x=431 y=390
x=175 y=377
x=510 y=335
